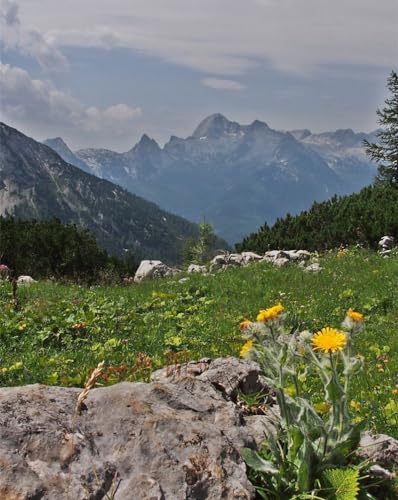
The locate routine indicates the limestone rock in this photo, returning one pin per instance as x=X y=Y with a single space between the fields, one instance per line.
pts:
x=171 y=439
x=313 y=268
x=250 y=257
x=25 y=280
x=379 y=448
x=150 y=269
x=281 y=262
x=195 y=268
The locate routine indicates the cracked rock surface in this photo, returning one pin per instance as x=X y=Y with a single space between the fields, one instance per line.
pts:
x=174 y=439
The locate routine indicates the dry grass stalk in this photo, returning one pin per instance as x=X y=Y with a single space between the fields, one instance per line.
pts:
x=95 y=375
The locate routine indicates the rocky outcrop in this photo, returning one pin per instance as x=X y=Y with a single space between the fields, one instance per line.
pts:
x=150 y=269
x=386 y=245
x=176 y=438
x=195 y=268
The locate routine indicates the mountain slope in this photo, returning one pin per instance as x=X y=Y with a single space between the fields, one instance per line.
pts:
x=237 y=176
x=36 y=183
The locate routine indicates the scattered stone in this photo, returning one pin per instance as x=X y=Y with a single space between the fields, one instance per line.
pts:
x=379 y=448
x=313 y=268
x=249 y=257
x=25 y=280
x=183 y=280
x=386 y=245
x=195 y=268
x=281 y=262
x=151 y=269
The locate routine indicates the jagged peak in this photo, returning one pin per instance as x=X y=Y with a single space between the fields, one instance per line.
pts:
x=258 y=125
x=215 y=126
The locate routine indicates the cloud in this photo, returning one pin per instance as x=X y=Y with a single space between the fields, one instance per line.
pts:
x=29 y=42
x=220 y=84
x=41 y=105
x=228 y=37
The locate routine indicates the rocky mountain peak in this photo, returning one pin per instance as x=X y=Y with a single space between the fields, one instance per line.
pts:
x=146 y=145
x=216 y=126
x=258 y=125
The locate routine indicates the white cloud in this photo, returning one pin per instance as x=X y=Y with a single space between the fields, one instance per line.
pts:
x=39 y=104
x=221 y=84
x=228 y=37
x=30 y=41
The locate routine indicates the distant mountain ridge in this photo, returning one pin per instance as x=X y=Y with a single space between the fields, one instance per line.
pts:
x=238 y=176
x=35 y=182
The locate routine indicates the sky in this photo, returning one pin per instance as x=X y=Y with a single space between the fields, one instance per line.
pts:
x=100 y=73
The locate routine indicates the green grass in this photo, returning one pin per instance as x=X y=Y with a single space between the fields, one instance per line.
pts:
x=61 y=332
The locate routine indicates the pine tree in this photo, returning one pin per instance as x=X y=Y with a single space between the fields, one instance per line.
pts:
x=385 y=152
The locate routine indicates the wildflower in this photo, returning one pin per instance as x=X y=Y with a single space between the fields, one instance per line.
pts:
x=245 y=324
x=355 y=405
x=246 y=348
x=322 y=407
x=21 y=327
x=79 y=325
x=270 y=314
x=395 y=391
x=329 y=340
x=354 y=315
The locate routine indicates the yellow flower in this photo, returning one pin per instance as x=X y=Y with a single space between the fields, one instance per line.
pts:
x=322 y=407
x=246 y=348
x=395 y=391
x=271 y=313
x=355 y=405
x=354 y=315
x=329 y=340
x=244 y=324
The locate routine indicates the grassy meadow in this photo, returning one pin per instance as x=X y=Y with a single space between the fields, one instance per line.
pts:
x=60 y=332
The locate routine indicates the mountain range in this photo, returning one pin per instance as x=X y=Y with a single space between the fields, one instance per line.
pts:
x=35 y=182
x=236 y=176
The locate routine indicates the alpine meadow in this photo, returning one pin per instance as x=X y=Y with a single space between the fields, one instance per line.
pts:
x=211 y=314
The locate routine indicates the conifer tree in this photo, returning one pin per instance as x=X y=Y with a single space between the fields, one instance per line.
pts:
x=385 y=152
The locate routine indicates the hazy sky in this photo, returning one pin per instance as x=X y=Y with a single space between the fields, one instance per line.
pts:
x=102 y=72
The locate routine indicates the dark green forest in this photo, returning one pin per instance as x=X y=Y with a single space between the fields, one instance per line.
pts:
x=48 y=248
x=360 y=218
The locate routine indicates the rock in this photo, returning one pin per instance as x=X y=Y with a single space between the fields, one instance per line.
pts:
x=183 y=280
x=297 y=255
x=386 y=243
x=150 y=269
x=281 y=261
x=313 y=268
x=379 y=448
x=25 y=280
x=217 y=262
x=235 y=259
x=228 y=374
x=250 y=257
x=175 y=438
x=195 y=268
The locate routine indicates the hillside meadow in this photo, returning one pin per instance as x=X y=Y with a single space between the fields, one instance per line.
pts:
x=60 y=332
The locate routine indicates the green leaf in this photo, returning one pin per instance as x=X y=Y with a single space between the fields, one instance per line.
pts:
x=253 y=460
x=345 y=483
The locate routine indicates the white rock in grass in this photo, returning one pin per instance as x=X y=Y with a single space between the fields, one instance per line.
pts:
x=313 y=268
x=25 y=280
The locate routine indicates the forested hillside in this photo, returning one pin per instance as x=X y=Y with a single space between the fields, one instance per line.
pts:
x=358 y=218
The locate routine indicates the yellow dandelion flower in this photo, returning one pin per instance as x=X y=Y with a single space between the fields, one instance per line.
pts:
x=355 y=405
x=271 y=313
x=244 y=324
x=329 y=340
x=354 y=315
x=322 y=407
x=246 y=348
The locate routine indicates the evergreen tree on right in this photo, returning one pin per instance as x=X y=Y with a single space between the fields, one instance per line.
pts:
x=385 y=152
